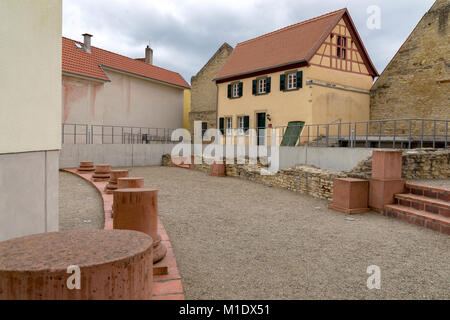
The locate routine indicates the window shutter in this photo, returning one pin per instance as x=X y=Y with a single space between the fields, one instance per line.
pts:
x=222 y=125
x=282 y=82
x=246 y=123
x=229 y=91
x=254 y=86
x=241 y=89
x=299 y=79
x=268 y=84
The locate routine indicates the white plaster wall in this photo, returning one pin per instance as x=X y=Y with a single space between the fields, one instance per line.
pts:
x=125 y=101
x=30 y=75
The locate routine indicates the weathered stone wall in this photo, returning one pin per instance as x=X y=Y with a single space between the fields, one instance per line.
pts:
x=416 y=82
x=304 y=179
x=417 y=164
x=203 y=89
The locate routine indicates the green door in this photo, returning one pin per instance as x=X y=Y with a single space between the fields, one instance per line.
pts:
x=261 y=127
x=292 y=133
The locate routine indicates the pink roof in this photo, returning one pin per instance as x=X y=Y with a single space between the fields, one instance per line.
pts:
x=79 y=62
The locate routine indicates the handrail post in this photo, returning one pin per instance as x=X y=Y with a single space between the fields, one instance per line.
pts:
x=75 y=135
x=354 y=135
x=328 y=133
x=379 y=134
x=103 y=130
x=446 y=134
x=422 y=137
x=434 y=135
x=87 y=134
x=410 y=134
x=395 y=131
x=367 y=133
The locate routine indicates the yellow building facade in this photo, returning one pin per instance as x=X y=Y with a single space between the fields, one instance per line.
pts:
x=331 y=86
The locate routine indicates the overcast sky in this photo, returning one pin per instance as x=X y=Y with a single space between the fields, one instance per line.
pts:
x=184 y=34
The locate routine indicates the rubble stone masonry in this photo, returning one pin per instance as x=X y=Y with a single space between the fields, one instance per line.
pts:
x=416 y=83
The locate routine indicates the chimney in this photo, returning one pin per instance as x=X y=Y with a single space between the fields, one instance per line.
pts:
x=148 y=55
x=87 y=42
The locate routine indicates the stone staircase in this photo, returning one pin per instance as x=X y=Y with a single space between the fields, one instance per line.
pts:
x=424 y=206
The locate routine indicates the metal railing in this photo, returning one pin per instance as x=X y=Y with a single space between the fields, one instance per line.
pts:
x=104 y=134
x=395 y=133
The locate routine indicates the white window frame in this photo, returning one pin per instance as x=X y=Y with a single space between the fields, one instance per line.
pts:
x=236 y=90
x=292 y=85
x=262 y=86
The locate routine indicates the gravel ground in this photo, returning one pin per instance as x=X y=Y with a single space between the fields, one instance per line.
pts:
x=80 y=204
x=235 y=239
x=444 y=183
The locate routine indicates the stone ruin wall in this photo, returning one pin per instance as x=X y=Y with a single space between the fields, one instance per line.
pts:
x=304 y=179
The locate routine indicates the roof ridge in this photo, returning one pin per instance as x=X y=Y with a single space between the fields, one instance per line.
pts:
x=293 y=26
x=121 y=55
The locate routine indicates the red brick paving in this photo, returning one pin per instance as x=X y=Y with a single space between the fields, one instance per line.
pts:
x=165 y=287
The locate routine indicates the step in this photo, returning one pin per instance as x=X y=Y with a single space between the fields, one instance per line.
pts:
x=421 y=218
x=428 y=191
x=431 y=205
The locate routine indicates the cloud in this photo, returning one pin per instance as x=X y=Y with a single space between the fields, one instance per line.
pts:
x=185 y=34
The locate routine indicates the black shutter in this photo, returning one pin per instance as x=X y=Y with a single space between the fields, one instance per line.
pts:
x=229 y=91
x=268 y=84
x=222 y=125
x=254 y=86
x=241 y=89
x=299 y=79
x=246 y=123
x=282 y=82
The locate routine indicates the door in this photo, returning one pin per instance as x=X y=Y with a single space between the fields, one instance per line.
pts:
x=261 y=128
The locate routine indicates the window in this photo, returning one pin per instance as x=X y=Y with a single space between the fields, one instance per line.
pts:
x=262 y=86
x=292 y=81
x=243 y=124
x=341 y=51
x=204 y=128
x=236 y=90
x=229 y=122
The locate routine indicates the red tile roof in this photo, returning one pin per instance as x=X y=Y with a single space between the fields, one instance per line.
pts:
x=77 y=61
x=293 y=44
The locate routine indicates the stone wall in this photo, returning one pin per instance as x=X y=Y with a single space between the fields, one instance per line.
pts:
x=305 y=179
x=204 y=91
x=416 y=82
x=417 y=164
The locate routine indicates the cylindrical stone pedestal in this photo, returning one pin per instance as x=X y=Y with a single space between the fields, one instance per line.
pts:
x=110 y=264
x=137 y=209
x=115 y=174
x=130 y=183
x=102 y=173
x=86 y=166
x=217 y=170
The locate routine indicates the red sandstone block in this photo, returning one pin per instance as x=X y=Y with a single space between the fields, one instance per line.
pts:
x=418 y=206
x=444 y=196
x=350 y=195
x=382 y=192
x=432 y=209
x=445 y=229
x=386 y=164
x=418 y=192
x=405 y=203
x=444 y=212
x=430 y=194
x=167 y=287
x=433 y=225
x=419 y=221
x=169 y=297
